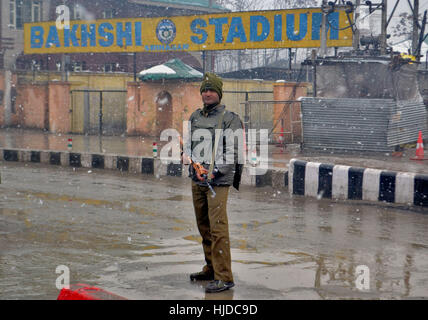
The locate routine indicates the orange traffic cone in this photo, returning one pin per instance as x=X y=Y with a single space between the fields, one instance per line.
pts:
x=419 y=149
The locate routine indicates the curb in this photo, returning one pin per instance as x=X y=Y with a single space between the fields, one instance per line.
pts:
x=134 y=164
x=330 y=181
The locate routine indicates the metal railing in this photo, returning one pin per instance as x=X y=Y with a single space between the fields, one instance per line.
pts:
x=258 y=121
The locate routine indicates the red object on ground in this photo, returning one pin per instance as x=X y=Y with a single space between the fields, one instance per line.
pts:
x=85 y=292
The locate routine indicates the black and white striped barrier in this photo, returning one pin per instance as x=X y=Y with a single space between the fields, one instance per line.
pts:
x=344 y=182
x=134 y=164
x=303 y=178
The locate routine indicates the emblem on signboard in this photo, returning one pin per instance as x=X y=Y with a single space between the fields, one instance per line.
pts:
x=166 y=31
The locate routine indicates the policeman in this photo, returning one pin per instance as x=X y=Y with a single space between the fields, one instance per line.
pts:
x=211 y=214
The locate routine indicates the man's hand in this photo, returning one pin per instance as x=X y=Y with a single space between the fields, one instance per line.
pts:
x=202 y=172
x=199 y=173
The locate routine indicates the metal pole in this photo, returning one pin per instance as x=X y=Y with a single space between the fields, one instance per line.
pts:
x=383 y=28
x=291 y=122
x=323 y=49
x=421 y=37
x=135 y=67
x=246 y=115
x=8 y=97
x=203 y=62
x=314 y=63
x=315 y=79
x=415 y=33
x=392 y=13
x=239 y=60
x=259 y=126
x=356 y=39
x=63 y=67
x=71 y=110
x=282 y=132
x=67 y=62
x=101 y=113
x=47 y=66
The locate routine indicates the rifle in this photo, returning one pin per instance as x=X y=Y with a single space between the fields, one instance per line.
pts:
x=198 y=168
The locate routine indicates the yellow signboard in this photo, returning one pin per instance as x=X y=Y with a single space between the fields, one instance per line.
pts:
x=295 y=28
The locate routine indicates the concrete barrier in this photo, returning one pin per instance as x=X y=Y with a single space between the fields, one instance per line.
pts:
x=251 y=176
x=344 y=182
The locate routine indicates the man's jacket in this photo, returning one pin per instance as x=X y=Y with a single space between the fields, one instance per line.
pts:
x=230 y=152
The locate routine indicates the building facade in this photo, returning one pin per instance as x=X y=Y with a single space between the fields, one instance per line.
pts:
x=14 y=13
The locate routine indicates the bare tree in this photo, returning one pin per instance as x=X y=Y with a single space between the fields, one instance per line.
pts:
x=242 y=5
x=241 y=59
x=290 y=4
x=237 y=59
x=404 y=27
x=293 y=4
x=403 y=34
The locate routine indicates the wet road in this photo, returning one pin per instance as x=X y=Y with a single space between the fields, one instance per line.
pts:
x=136 y=236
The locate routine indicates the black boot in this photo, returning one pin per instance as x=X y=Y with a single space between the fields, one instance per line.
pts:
x=203 y=275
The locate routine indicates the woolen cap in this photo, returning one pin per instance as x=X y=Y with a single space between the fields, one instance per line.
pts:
x=212 y=82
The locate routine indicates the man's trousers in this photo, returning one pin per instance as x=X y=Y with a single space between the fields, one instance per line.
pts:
x=211 y=218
